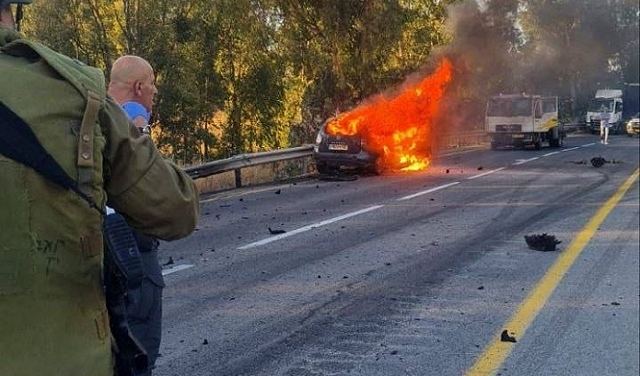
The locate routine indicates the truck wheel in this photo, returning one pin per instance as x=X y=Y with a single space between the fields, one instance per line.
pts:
x=556 y=143
x=537 y=144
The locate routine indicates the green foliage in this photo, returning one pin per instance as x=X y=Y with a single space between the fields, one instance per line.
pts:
x=238 y=76
x=579 y=46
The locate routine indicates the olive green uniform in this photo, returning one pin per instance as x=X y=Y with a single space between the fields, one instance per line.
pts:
x=53 y=318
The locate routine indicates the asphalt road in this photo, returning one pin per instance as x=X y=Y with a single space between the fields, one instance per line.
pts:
x=416 y=273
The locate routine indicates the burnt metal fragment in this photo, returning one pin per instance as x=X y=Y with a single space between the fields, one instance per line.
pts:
x=542 y=242
x=598 y=161
x=505 y=337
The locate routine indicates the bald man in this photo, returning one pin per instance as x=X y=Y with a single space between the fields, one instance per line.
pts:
x=132 y=85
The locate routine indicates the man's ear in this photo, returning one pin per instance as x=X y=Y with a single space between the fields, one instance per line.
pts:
x=137 y=87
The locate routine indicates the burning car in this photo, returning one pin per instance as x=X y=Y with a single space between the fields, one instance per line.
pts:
x=386 y=132
x=335 y=152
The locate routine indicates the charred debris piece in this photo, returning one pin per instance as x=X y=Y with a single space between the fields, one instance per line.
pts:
x=275 y=231
x=505 y=337
x=338 y=177
x=542 y=242
x=599 y=161
x=596 y=161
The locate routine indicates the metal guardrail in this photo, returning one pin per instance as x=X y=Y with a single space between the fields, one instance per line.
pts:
x=575 y=127
x=238 y=162
x=254 y=159
x=463 y=138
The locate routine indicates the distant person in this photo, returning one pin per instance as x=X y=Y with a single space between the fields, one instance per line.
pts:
x=132 y=85
x=605 y=124
x=54 y=319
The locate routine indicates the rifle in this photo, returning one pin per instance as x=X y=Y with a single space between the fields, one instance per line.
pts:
x=123 y=266
x=124 y=271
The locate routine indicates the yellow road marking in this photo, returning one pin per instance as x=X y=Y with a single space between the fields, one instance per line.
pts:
x=497 y=351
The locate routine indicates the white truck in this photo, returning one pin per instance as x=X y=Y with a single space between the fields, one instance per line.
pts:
x=610 y=102
x=520 y=120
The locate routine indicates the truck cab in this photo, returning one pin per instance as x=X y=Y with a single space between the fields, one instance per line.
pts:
x=609 y=101
x=520 y=120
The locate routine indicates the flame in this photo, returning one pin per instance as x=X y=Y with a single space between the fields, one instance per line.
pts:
x=399 y=129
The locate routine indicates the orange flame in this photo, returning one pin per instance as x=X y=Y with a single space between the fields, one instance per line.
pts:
x=399 y=129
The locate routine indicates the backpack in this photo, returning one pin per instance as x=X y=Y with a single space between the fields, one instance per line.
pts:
x=89 y=82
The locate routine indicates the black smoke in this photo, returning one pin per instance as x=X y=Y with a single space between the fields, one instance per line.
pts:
x=564 y=48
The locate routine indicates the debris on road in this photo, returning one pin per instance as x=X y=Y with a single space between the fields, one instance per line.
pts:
x=276 y=231
x=598 y=161
x=544 y=242
x=338 y=177
x=505 y=337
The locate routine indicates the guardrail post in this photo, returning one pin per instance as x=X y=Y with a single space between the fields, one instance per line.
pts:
x=238 y=174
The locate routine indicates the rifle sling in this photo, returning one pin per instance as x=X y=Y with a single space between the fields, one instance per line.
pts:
x=18 y=142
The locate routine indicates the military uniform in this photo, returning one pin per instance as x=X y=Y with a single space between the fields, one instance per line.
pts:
x=53 y=318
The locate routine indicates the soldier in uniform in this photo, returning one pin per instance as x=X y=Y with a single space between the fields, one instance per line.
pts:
x=54 y=319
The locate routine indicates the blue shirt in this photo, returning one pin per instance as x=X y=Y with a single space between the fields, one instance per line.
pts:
x=135 y=109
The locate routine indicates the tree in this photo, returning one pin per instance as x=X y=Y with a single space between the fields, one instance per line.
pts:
x=578 y=46
x=346 y=51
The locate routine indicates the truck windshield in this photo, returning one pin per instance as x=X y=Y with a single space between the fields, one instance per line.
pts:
x=509 y=107
x=596 y=104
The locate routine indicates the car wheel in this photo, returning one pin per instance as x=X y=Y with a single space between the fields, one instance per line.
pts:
x=373 y=170
x=324 y=169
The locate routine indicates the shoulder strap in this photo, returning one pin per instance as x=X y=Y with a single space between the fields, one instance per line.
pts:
x=84 y=159
x=19 y=143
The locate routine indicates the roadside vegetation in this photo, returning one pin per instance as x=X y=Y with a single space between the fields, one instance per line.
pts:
x=240 y=76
